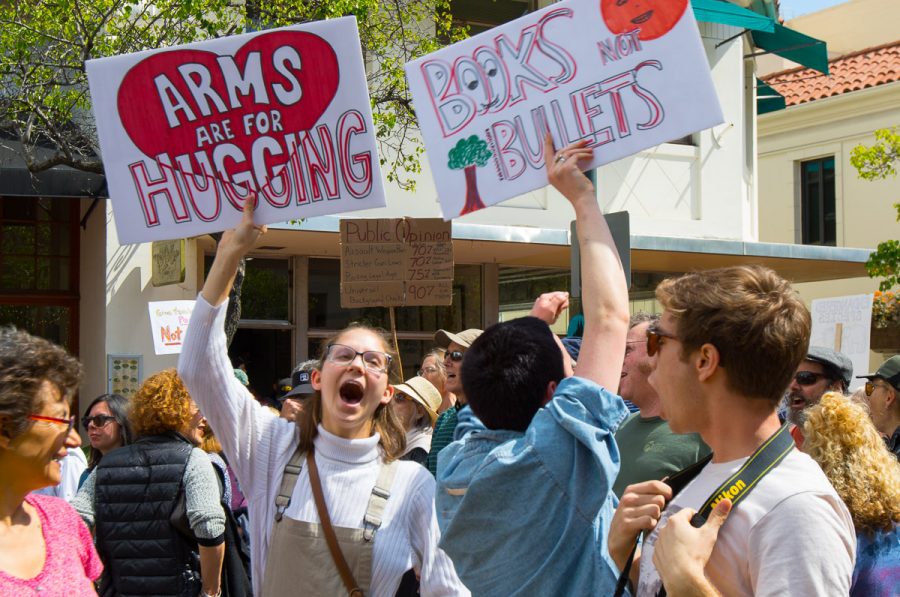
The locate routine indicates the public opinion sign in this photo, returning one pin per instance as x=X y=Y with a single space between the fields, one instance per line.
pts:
x=396 y=262
x=623 y=75
x=189 y=133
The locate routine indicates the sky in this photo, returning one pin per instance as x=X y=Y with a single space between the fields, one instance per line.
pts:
x=795 y=8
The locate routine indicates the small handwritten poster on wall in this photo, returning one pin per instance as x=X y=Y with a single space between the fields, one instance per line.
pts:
x=168 y=324
x=623 y=76
x=396 y=262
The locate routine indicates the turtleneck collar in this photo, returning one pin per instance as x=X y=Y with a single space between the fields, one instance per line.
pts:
x=350 y=451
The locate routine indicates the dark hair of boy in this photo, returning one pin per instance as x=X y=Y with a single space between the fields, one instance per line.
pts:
x=507 y=372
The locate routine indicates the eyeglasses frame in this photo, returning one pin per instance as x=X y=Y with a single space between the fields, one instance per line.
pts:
x=362 y=357
x=70 y=422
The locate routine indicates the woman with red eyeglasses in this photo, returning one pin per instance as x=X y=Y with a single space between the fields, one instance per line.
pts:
x=45 y=548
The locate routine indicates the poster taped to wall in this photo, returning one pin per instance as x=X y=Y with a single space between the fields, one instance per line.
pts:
x=169 y=323
x=191 y=132
x=625 y=76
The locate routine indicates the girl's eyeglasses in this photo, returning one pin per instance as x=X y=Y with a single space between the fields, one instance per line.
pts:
x=342 y=355
x=69 y=423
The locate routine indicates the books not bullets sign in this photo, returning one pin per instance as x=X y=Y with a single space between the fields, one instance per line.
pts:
x=624 y=76
x=396 y=262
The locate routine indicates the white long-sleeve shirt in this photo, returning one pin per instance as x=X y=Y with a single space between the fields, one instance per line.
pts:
x=258 y=445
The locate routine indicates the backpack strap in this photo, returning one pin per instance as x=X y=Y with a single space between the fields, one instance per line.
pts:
x=378 y=500
x=288 y=482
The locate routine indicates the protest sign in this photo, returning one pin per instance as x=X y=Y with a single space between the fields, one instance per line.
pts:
x=396 y=262
x=191 y=132
x=168 y=324
x=582 y=69
x=844 y=324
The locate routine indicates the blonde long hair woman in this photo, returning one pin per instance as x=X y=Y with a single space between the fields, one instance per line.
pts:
x=382 y=510
x=841 y=437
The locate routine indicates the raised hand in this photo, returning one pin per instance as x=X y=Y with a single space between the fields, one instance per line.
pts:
x=639 y=510
x=564 y=169
x=240 y=240
x=549 y=305
x=232 y=248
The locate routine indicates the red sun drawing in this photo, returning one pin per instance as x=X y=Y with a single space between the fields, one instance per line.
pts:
x=655 y=18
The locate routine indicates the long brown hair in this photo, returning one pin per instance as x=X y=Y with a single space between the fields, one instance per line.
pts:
x=384 y=421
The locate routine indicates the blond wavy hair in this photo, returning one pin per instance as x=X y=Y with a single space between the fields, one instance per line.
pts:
x=841 y=438
x=162 y=404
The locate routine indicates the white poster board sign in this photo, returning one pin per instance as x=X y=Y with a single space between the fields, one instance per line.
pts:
x=168 y=324
x=623 y=75
x=189 y=133
x=844 y=324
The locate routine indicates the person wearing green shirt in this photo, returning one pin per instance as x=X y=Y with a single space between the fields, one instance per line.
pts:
x=648 y=449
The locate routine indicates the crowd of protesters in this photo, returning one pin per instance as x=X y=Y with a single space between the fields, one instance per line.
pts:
x=510 y=465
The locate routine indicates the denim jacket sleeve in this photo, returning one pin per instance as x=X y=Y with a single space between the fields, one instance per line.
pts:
x=531 y=511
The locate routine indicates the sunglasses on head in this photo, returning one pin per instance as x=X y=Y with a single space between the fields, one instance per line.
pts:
x=455 y=356
x=808 y=378
x=653 y=337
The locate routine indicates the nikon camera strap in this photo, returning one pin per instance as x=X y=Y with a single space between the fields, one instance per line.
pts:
x=736 y=487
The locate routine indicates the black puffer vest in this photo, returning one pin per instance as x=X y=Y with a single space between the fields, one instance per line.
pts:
x=137 y=489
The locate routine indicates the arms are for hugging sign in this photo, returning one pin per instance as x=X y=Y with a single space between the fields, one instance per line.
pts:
x=188 y=134
x=623 y=75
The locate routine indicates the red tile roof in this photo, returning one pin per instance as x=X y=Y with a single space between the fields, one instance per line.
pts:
x=851 y=72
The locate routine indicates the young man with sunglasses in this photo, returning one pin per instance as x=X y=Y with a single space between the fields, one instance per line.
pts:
x=455 y=346
x=822 y=370
x=883 y=396
x=525 y=501
x=727 y=344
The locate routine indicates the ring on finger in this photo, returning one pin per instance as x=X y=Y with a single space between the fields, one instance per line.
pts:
x=560 y=158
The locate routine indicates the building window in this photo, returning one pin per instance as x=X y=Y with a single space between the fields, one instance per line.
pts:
x=817 y=210
x=39 y=267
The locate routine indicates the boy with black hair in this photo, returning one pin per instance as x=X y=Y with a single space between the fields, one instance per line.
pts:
x=507 y=371
x=524 y=502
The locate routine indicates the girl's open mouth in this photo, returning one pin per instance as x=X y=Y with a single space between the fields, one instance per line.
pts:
x=351 y=392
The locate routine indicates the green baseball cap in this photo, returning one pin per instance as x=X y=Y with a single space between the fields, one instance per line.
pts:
x=889 y=371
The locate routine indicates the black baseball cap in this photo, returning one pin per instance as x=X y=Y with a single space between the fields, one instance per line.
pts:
x=301 y=386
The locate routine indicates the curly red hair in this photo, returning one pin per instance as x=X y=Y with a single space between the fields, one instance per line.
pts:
x=161 y=405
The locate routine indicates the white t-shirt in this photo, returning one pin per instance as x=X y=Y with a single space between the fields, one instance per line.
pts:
x=792 y=535
x=71 y=468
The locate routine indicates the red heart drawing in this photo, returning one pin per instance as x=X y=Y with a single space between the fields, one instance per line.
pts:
x=163 y=108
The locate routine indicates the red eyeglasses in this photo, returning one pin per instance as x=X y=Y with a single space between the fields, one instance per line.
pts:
x=69 y=423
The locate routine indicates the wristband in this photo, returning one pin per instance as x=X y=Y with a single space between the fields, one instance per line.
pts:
x=203 y=593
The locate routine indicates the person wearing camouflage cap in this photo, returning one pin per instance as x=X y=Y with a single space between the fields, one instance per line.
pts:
x=883 y=396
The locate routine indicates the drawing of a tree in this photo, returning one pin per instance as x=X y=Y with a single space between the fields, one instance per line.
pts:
x=467 y=155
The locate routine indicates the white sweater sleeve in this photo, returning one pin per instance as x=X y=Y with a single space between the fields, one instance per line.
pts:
x=239 y=421
x=438 y=576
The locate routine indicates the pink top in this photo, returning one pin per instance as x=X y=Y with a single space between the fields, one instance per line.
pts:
x=71 y=563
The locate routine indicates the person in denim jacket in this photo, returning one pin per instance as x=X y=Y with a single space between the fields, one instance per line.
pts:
x=524 y=498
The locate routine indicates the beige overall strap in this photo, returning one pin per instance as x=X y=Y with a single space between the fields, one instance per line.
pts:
x=288 y=482
x=378 y=500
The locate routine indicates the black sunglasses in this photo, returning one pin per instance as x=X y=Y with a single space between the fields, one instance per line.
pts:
x=653 y=336
x=808 y=378
x=455 y=356
x=97 y=420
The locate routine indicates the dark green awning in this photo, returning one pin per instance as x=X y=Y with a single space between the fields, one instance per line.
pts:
x=767 y=99
x=793 y=45
x=718 y=11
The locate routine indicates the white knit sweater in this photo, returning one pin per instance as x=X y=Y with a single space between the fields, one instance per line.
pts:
x=258 y=445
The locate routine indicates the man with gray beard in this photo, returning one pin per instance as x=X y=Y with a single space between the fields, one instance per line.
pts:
x=823 y=370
